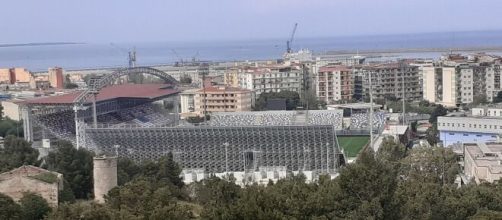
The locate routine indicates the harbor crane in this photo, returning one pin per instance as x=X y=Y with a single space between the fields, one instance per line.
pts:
x=289 y=43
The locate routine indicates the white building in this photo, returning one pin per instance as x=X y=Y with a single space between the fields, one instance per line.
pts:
x=476 y=128
x=269 y=78
x=482 y=161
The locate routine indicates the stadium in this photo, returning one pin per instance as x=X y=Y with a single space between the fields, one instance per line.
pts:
x=140 y=121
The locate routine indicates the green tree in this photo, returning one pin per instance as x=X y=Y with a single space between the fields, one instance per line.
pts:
x=8 y=208
x=292 y=99
x=68 y=84
x=75 y=165
x=185 y=79
x=17 y=152
x=432 y=134
x=127 y=170
x=33 y=207
x=498 y=98
x=438 y=111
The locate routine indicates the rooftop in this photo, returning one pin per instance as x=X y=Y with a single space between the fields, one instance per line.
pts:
x=143 y=91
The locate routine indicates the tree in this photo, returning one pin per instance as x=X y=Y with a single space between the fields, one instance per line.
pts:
x=75 y=165
x=185 y=79
x=498 y=98
x=292 y=99
x=17 y=152
x=432 y=134
x=68 y=84
x=127 y=170
x=438 y=111
x=8 y=208
x=33 y=206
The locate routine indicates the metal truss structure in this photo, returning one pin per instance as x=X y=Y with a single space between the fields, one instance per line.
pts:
x=96 y=84
x=227 y=149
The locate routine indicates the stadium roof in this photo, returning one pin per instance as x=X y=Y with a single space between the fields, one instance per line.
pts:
x=143 y=91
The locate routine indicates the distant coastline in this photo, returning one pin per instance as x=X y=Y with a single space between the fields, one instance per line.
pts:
x=39 y=44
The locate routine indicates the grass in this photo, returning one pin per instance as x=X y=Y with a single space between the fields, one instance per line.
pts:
x=46 y=177
x=353 y=144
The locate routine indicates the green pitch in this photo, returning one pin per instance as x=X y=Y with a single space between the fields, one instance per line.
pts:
x=353 y=144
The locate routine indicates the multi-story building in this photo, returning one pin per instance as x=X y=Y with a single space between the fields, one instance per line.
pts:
x=493 y=85
x=387 y=80
x=56 y=78
x=223 y=99
x=268 y=77
x=459 y=82
x=482 y=161
x=15 y=75
x=335 y=83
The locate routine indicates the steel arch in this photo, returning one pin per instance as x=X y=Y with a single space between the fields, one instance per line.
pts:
x=95 y=85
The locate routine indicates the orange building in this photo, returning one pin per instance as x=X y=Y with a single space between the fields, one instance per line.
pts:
x=56 y=78
x=223 y=99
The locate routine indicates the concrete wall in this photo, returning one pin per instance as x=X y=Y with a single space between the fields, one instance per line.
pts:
x=11 y=110
x=429 y=83
x=453 y=137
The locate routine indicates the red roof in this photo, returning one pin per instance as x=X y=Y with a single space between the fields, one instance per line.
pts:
x=224 y=89
x=146 y=91
x=334 y=68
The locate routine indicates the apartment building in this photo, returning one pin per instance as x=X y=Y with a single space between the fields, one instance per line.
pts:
x=387 y=80
x=262 y=78
x=15 y=75
x=56 y=79
x=335 y=83
x=493 y=85
x=223 y=99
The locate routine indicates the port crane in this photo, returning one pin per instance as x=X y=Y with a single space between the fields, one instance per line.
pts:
x=289 y=43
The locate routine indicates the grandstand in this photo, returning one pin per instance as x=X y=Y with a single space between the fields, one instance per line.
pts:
x=116 y=106
x=272 y=118
x=133 y=121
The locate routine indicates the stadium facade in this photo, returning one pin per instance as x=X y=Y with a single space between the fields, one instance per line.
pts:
x=141 y=122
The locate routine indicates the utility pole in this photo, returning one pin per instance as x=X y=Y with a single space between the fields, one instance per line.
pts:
x=204 y=70
x=371 y=109
x=402 y=70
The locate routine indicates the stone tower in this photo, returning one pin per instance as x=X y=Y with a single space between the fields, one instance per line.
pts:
x=105 y=176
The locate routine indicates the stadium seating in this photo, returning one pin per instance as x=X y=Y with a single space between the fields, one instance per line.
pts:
x=361 y=120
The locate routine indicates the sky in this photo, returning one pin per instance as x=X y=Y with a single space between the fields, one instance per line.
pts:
x=25 y=21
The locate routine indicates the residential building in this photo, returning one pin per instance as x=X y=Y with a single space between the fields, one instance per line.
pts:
x=482 y=161
x=387 y=80
x=56 y=78
x=223 y=99
x=335 y=83
x=33 y=179
x=268 y=77
x=15 y=75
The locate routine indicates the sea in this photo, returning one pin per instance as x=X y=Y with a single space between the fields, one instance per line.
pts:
x=112 y=54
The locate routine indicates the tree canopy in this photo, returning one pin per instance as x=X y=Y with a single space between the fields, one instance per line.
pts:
x=17 y=152
x=75 y=165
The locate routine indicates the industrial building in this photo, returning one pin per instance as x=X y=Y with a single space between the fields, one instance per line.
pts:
x=479 y=126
